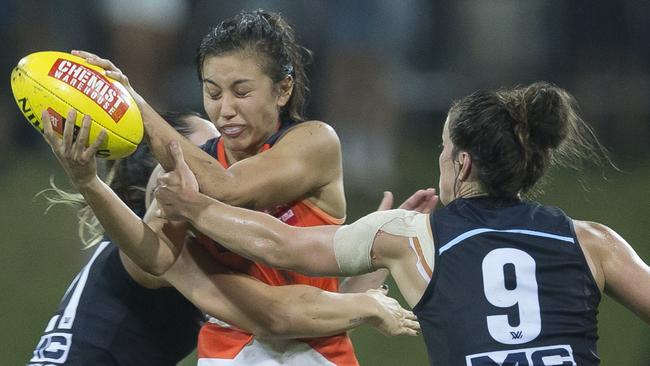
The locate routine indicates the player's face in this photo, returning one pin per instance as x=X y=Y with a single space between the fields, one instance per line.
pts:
x=241 y=100
x=447 y=169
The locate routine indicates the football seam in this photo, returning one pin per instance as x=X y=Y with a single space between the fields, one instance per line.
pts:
x=71 y=106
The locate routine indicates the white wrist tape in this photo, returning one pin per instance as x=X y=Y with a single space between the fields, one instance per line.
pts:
x=353 y=243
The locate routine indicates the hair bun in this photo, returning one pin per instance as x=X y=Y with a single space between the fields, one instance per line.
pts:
x=548 y=111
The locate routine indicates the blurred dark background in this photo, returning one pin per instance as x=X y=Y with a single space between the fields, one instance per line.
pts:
x=384 y=75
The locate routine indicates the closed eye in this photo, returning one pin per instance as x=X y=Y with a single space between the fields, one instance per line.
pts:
x=242 y=94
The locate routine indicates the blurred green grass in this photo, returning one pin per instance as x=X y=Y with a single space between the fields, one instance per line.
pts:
x=41 y=253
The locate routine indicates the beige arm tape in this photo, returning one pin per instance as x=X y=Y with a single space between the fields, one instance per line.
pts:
x=353 y=243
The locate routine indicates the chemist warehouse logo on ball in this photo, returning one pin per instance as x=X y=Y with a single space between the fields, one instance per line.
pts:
x=94 y=85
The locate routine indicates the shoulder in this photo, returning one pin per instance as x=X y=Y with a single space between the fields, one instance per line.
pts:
x=599 y=244
x=594 y=233
x=315 y=136
x=596 y=239
x=315 y=130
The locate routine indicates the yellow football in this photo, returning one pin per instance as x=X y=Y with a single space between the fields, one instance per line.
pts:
x=58 y=82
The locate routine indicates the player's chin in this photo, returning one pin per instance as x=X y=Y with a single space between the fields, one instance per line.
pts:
x=239 y=143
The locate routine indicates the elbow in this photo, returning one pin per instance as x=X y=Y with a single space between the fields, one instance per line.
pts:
x=155 y=265
x=157 y=269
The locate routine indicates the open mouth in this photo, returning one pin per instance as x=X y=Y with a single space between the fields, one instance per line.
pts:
x=232 y=131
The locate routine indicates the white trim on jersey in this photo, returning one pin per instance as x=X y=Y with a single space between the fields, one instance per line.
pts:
x=71 y=286
x=52 y=323
x=469 y=234
x=67 y=318
x=419 y=265
x=53 y=347
x=273 y=352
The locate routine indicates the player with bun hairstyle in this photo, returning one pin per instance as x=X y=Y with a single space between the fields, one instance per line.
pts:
x=269 y=157
x=493 y=279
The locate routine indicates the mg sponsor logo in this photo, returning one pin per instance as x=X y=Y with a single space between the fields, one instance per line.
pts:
x=559 y=355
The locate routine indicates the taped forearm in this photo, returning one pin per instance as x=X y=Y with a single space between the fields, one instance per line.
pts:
x=353 y=243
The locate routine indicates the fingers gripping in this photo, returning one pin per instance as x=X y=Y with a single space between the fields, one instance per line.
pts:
x=48 y=133
x=82 y=137
x=93 y=59
x=74 y=144
x=92 y=149
x=68 y=132
x=112 y=71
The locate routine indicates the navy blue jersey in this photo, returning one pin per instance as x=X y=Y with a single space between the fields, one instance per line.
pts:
x=511 y=286
x=106 y=318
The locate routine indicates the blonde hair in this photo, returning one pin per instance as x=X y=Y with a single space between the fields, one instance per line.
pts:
x=90 y=231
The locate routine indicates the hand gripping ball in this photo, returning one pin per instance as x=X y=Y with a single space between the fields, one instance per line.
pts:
x=58 y=81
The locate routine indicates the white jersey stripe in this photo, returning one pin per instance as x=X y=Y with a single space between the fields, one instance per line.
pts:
x=52 y=323
x=475 y=232
x=67 y=318
x=71 y=286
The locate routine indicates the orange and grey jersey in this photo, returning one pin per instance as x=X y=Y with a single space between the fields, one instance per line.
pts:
x=218 y=341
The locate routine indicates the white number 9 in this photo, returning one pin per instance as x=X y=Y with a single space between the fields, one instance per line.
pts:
x=524 y=294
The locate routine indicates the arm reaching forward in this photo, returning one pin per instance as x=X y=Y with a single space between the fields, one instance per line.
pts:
x=283 y=174
x=153 y=252
x=276 y=311
x=320 y=250
x=292 y=311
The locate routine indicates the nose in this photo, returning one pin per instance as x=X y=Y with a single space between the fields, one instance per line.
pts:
x=228 y=109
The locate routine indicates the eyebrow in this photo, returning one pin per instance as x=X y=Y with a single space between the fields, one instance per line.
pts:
x=236 y=82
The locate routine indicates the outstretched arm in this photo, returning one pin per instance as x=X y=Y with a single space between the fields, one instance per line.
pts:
x=265 y=239
x=281 y=311
x=283 y=174
x=255 y=235
x=152 y=252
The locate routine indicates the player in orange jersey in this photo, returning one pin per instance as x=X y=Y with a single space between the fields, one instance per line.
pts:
x=269 y=157
x=271 y=312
